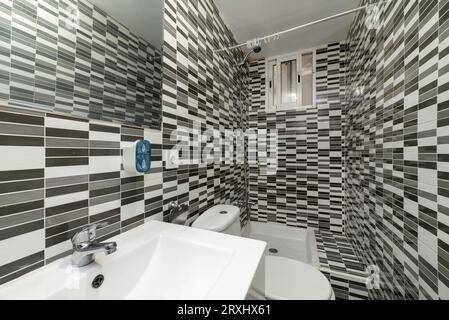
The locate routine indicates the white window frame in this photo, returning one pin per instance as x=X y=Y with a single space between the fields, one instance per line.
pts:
x=276 y=81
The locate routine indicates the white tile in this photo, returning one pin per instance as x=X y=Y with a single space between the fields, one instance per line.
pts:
x=93 y=210
x=443 y=166
x=21 y=158
x=152 y=179
x=67 y=171
x=66 y=124
x=411 y=153
x=156 y=217
x=131 y=210
x=426 y=240
x=126 y=174
x=411 y=207
x=443 y=149
x=183 y=188
x=104 y=136
x=19 y=247
x=428 y=114
x=425 y=142
x=428 y=177
x=58 y=249
x=105 y=123
x=104 y=164
x=67 y=198
x=427 y=126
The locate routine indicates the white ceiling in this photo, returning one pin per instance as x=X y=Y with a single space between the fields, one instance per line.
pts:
x=143 y=17
x=250 y=19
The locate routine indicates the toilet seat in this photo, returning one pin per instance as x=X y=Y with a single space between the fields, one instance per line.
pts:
x=288 y=279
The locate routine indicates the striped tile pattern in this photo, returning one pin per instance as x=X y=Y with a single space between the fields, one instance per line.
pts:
x=22 y=193
x=59 y=173
x=337 y=254
x=202 y=91
x=340 y=264
x=347 y=286
x=71 y=57
x=153 y=179
x=67 y=181
x=306 y=190
x=104 y=176
x=397 y=139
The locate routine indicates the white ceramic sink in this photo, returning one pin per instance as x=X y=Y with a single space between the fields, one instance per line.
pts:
x=154 y=261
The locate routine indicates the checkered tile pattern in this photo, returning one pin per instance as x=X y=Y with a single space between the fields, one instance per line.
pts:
x=70 y=57
x=397 y=135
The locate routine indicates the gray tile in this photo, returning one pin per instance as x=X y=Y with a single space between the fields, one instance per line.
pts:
x=21 y=197
x=12 y=220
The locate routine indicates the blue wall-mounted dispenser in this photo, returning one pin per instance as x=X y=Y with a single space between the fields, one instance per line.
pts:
x=137 y=158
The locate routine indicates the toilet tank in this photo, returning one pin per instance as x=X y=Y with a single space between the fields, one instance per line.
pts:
x=221 y=218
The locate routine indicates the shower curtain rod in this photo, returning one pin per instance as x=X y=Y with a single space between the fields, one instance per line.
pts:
x=277 y=34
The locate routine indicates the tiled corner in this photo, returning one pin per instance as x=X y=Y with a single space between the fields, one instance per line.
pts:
x=397 y=135
x=339 y=263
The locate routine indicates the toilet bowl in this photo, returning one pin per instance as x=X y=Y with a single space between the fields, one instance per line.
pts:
x=281 y=278
x=288 y=279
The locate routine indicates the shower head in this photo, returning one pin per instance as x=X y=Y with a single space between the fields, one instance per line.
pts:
x=255 y=49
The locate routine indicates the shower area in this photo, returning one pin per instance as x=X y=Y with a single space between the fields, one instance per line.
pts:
x=299 y=182
x=365 y=168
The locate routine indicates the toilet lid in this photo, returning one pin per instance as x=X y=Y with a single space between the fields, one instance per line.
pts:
x=217 y=218
x=287 y=279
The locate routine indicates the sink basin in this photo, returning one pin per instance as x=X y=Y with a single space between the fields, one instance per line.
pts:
x=154 y=261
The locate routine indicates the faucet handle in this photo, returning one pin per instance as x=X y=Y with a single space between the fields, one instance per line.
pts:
x=88 y=233
x=173 y=205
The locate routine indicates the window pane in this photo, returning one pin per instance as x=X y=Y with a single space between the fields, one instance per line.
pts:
x=307 y=79
x=288 y=82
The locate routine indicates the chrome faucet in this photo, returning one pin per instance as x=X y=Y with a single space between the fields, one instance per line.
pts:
x=85 y=245
x=178 y=213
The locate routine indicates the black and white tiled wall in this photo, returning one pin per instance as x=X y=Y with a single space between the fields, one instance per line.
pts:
x=59 y=173
x=340 y=264
x=64 y=171
x=306 y=190
x=397 y=207
x=69 y=56
x=202 y=91
x=367 y=167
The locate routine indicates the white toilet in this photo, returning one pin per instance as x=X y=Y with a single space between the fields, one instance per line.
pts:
x=281 y=278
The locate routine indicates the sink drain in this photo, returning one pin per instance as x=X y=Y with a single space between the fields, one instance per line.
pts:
x=223 y=212
x=98 y=281
x=273 y=250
